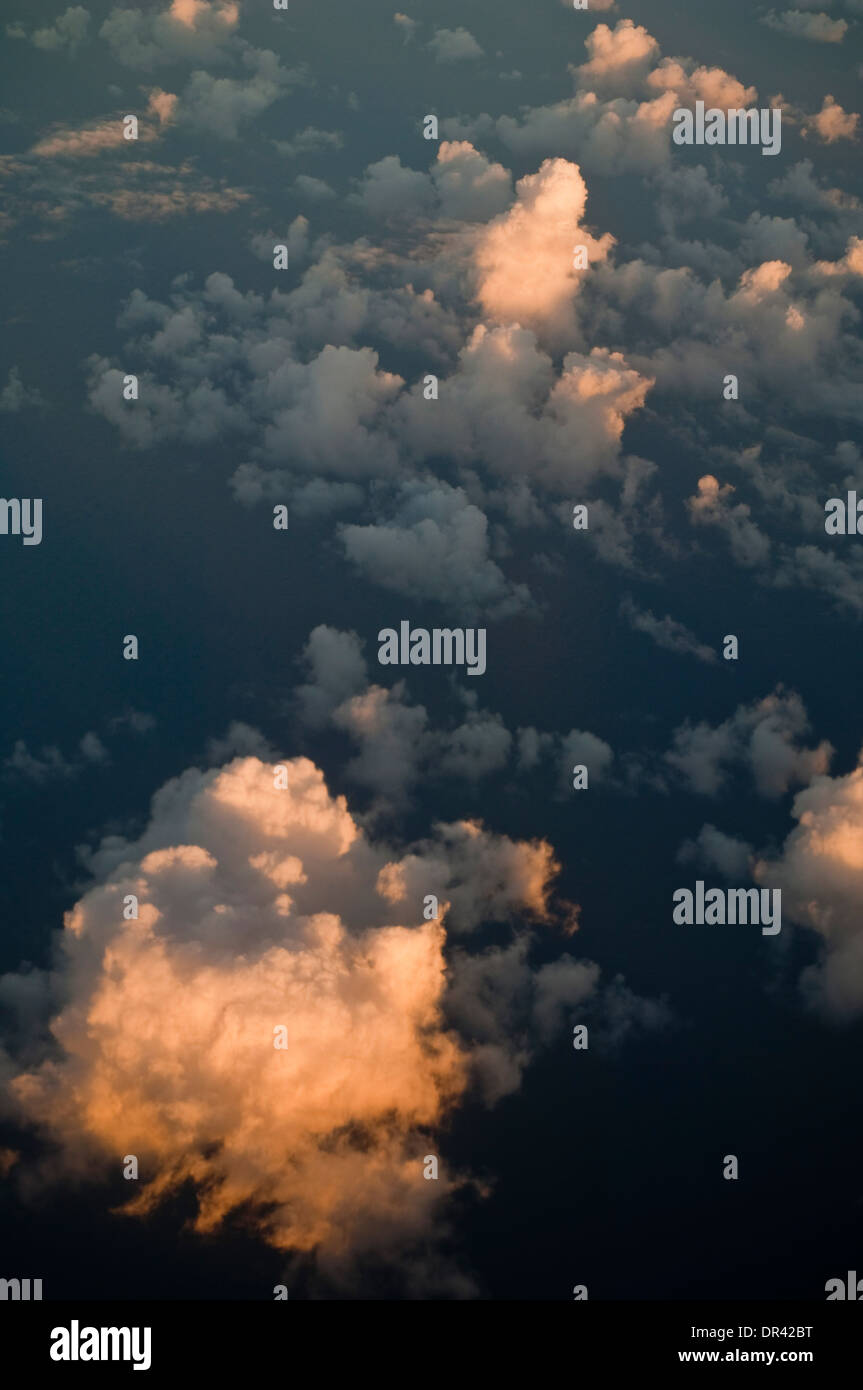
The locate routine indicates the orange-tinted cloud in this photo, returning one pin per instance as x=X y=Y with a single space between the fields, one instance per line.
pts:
x=525 y=258
x=262 y=907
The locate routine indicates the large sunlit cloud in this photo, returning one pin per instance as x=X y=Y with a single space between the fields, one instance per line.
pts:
x=525 y=258
x=264 y=907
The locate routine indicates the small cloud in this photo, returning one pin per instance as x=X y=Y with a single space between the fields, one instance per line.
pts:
x=454 y=45
x=407 y=25
x=69 y=31
x=832 y=122
x=666 y=632
x=16 y=396
x=818 y=28
x=317 y=190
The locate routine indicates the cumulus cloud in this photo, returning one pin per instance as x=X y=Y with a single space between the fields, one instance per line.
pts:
x=407 y=25
x=615 y=136
x=763 y=737
x=820 y=873
x=454 y=45
x=266 y=915
x=68 y=31
x=470 y=186
x=221 y=105
x=558 y=754
x=524 y=260
x=819 y=28
x=850 y=264
x=619 y=119
x=397 y=746
x=188 y=30
x=712 y=848
x=712 y=506
x=832 y=122
x=215 y=368
x=436 y=546
x=315 y=190
x=49 y=762
x=389 y=189
x=309 y=141
x=462 y=184
x=16 y=396
x=619 y=59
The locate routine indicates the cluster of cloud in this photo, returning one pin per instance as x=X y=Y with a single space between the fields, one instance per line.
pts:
x=446 y=45
x=397 y=746
x=795 y=490
x=50 y=762
x=478 y=278
x=619 y=118
x=187 y=31
x=68 y=31
x=282 y=1027
x=218 y=363
x=135 y=190
x=763 y=738
x=818 y=869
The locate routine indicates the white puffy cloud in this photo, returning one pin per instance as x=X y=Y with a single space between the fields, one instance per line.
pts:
x=507 y=408
x=619 y=59
x=218 y=362
x=435 y=545
x=619 y=119
x=463 y=185
x=617 y=136
x=389 y=189
x=471 y=187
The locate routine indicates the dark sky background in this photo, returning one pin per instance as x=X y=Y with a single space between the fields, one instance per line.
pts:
x=606 y=1168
